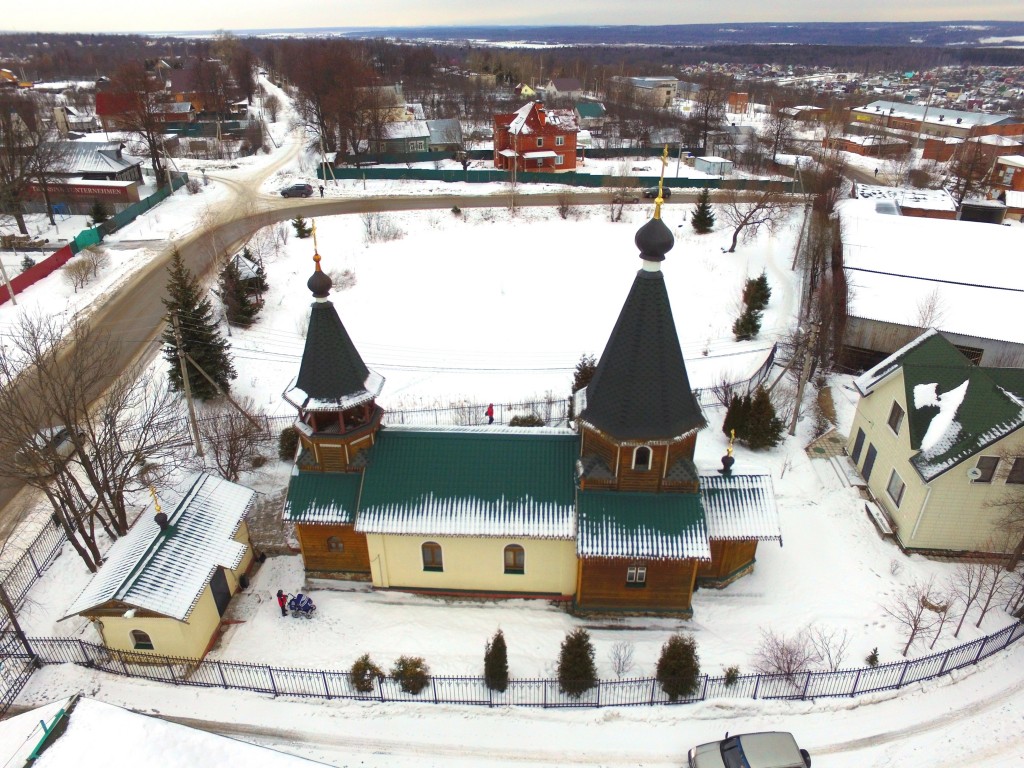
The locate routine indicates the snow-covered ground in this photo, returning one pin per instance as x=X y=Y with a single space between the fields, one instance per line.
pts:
x=488 y=306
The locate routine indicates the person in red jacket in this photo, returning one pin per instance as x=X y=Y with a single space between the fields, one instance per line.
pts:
x=489 y=413
x=282 y=600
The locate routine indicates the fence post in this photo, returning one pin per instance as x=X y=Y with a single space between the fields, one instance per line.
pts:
x=945 y=658
x=170 y=668
x=903 y=674
x=327 y=690
x=273 y=683
x=654 y=681
x=220 y=670
x=807 y=684
x=599 y=693
x=981 y=647
x=757 y=686
x=87 y=660
x=124 y=666
x=704 y=688
x=380 y=688
x=33 y=561
x=433 y=688
x=856 y=680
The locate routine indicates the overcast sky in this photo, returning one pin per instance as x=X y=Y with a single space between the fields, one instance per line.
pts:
x=180 y=15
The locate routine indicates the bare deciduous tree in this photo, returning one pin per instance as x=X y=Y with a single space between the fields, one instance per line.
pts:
x=748 y=212
x=930 y=309
x=996 y=582
x=272 y=104
x=99 y=442
x=966 y=584
x=621 y=658
x=781 y=655
x=78 y=272
x=909 y=609
x=830 y=645
x=142 y=103
x=232 y=438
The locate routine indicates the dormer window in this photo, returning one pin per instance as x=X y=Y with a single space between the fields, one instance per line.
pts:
x=642 y=458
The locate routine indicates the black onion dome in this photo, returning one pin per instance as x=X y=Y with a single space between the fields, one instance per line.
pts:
x=319 y=284
x=654 y=240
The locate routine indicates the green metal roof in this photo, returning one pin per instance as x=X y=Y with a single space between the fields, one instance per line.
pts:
x=663 y=526
x=471 y=481
x=323 y=497
x=590 y=109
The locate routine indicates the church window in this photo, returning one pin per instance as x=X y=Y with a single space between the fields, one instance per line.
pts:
x=515 y=559
x=636 y=576
x=432 y=560
x=334 y=544
x=642 y=458
x=141 y=640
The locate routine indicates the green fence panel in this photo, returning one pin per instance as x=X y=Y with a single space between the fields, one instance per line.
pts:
x=87 y=238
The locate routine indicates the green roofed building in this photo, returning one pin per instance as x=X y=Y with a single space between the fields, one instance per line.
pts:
x=938 y=441
x=613 y=515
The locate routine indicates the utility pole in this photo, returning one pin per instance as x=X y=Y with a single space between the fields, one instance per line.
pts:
x=804 y=375
x=7 y=280
x=186 y=386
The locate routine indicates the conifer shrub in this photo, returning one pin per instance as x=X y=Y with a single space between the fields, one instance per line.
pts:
x=411 y=673
x=526 y=420
x=757 y=292
x=747 y=325
x=581 y=377
x=496 y=663
x=703 y=219
x=736 y=416
x=302 y=229
x=456 y=211
x=27 y=262
x=732 y=674
x=763 y=427
x=287 y=443
x=872 y=658
x=363 y=673
x=98 y=213
x=576 y=670
x=679 y=667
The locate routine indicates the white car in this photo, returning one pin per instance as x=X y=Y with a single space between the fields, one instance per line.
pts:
x=53 y=441
x=770 y=749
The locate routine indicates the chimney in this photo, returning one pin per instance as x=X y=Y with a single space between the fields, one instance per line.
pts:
x=161 y=520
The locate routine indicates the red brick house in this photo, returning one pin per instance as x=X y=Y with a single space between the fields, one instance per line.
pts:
x=535 y=139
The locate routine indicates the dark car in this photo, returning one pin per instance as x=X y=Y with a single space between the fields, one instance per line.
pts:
x=298 y=190
x=652 y=192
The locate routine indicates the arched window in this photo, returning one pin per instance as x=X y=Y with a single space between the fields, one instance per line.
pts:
x=334 y=544
x=515 y=559
x=432 y=557
x=642 y=458
x=141 y=640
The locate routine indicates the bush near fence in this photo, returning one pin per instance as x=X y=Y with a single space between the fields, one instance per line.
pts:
x=89 y=237
x=334 y=684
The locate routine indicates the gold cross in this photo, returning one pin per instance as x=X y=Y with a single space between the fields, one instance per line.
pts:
x=661 y=183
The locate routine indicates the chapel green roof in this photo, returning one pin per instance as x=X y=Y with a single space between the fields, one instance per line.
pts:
x=486 y=482
x=662 y=526
x=323 y=497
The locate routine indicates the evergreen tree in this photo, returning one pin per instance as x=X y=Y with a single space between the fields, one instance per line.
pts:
x=729 y=422
x=679 y=667
x=757 y=293
x=27 y=262
x=302 y=229
x=763 y=428
x=747 y=325
x=703 y=217
x=580 y=378
x=234 y=292
x=576 y=671
x=737 y=415
x=98 y=213
x=200 y=336
x=496 y=663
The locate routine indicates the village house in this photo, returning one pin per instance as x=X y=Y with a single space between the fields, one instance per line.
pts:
x=868 y=146
x=925 y=203
x=657 y=92
x=562 y=88
x=937 y=439
x=165 y=585
x=614 y=515
x=591 y=115
x=1008 y=173
x=535 y=139
x=930 y=120
x=91 y=171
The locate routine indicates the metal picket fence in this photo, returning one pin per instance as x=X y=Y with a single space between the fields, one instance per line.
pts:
x=547 y=693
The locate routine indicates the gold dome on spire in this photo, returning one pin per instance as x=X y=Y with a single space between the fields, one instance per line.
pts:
x=661 y=184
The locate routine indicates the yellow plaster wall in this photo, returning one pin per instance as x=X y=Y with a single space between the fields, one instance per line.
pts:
x=475 y=564
x=954 y=514
x=170 y=637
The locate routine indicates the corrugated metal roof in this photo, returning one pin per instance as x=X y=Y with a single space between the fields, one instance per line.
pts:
x=166 y=572
x=664 y=526
x=470 y=482
x=319 y=497
x=92 y=157
x=740 y=506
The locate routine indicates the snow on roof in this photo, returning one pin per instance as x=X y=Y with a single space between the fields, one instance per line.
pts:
x=997 y=140
x=924 y=199
x=518 y=124
x=871 y=378
x=539 y=155
x=372 y=387
x=1014 y=199
x=167 y=571
x=713 y=159
x=1014 y=161
x=871 y=141
x=100 y=735
x=932 y=114
x=897 y=264
x=657 y=526
x=943 y=428
x=406 y=129
x=740 y=506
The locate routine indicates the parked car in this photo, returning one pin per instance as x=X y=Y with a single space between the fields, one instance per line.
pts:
x=652 y=192
x=629 y=197
x=298 y=190
x=769 y=749
x=56 y=442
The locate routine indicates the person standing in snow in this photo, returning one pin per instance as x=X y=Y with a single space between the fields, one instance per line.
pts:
x=321 y=190
x=282 y=601
x=489 y=413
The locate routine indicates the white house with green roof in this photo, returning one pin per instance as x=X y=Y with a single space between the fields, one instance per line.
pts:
x=939 y=442
x=166 y=583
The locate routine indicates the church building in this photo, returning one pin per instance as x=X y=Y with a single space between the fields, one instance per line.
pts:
x=613 y=515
